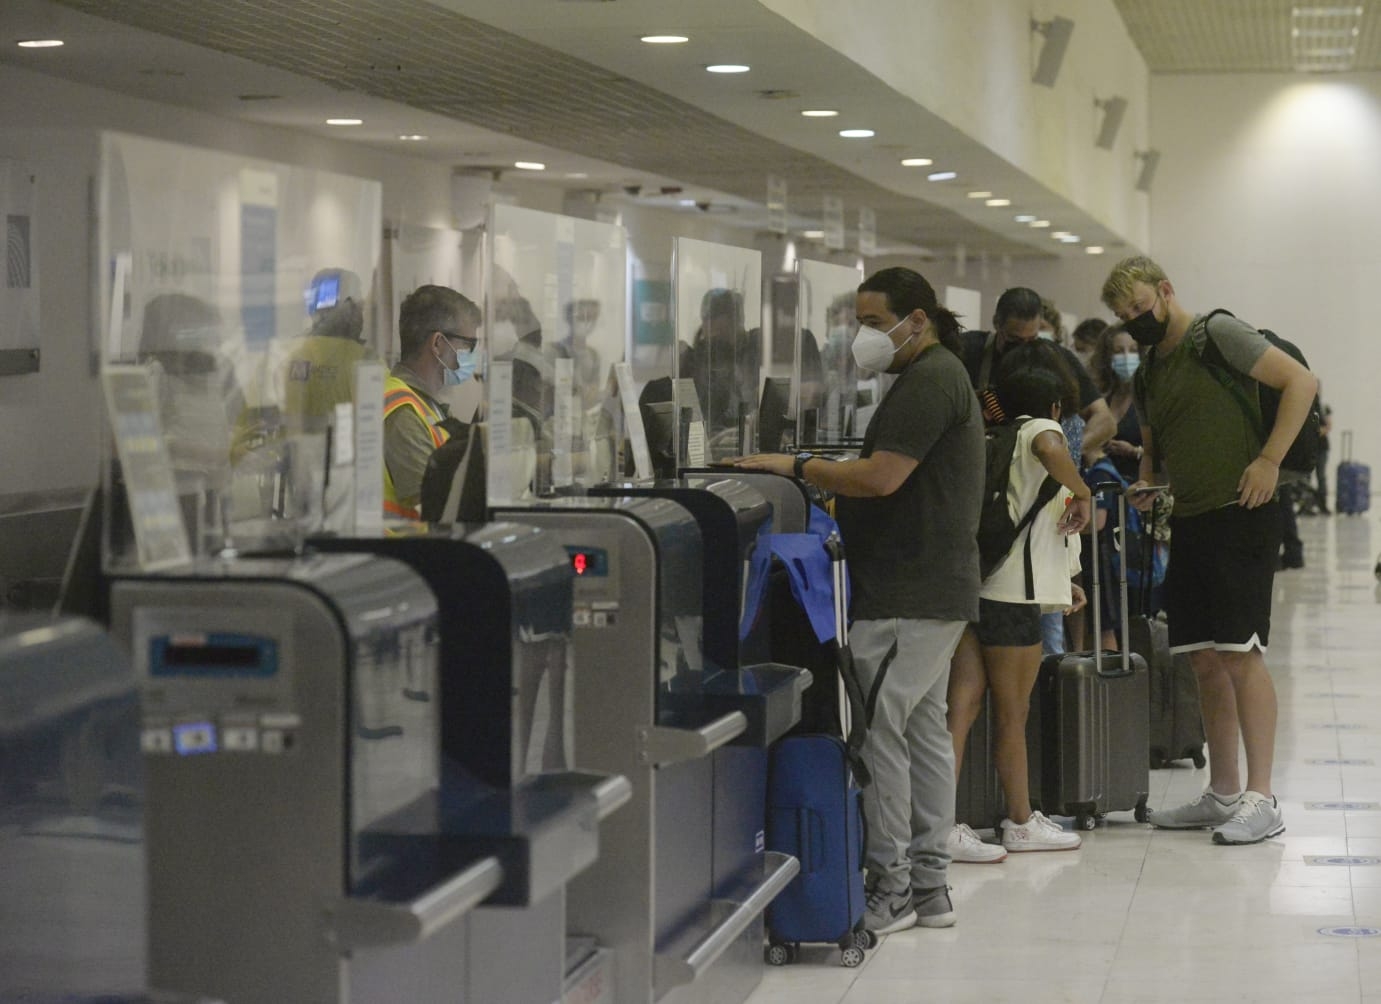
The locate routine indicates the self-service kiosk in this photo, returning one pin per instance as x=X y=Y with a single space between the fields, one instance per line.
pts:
x=72 y=860
x=509 y=788
x=682 y=881
x=294 y=824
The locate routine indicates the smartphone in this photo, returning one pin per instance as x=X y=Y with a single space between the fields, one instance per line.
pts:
x=1148 y=490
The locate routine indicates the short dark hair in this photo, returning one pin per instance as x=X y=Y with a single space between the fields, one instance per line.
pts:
x=1018 y=302
x=1031 y=377
x=432 y=308
x=906 y=290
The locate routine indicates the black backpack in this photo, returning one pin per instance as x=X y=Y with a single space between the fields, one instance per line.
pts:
x=997 y=533
x=1303 y=455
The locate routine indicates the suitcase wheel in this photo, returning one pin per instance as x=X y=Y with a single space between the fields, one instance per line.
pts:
x=863 y=939
x=1085 y=820
x=1140 y=813
x=1196 y=753
x=778 y=954
x=1158 y=759
x=852 y=957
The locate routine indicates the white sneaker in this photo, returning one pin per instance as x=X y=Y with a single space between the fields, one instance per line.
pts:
x=1037 y=834
x=1257 y=818
x=967 y=847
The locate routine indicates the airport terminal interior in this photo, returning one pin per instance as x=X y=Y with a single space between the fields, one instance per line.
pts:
x=383 y=617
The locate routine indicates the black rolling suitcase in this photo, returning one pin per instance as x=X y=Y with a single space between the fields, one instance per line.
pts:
x=978 y=797
x=1176 y=722
x=1094 y=721
x=815 y=810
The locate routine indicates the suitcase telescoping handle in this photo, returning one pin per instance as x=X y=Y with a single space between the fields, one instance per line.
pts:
x=1347 y=446
x=1110 y=488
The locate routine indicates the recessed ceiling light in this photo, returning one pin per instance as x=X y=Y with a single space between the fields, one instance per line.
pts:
x=917 y=162
x=1059 y=235
x=819 y=113
x=942 y=176
x=577 y=174
x=1025 y=218
x=40 y=43
x=857 y=133
x=1038 y=224
x=345 y=122
x=529 y=165
x=980 y=195
x=686 y=202
x=998 y=202
x=412 y=137
x=664 y=39
x=813 y=235
x=1093 y=249
x=1070 y=239
x=728 y=68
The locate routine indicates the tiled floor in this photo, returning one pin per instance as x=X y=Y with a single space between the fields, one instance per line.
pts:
x=1141 y=915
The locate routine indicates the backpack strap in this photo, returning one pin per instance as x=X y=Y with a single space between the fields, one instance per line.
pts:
x=985 y=364
x=1048 y=490
x=1217 y=364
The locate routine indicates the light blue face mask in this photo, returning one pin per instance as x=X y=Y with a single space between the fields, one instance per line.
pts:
x=466 y=362
x=1125 y=364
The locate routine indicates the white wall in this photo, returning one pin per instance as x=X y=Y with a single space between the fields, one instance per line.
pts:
x=1267 y=202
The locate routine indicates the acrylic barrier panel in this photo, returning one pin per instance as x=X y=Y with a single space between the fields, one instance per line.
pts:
x=247 y=287
x=19 y=300
x=556 y=312
x=718 y=309
x=824 y=389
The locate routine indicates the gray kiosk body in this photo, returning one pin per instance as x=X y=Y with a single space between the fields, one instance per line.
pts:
x=291 y=749
x=71 y=818
x=504 y=595
x=787 y=496
x=648 y=704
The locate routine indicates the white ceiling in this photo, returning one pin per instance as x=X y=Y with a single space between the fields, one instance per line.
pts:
x=568 y=83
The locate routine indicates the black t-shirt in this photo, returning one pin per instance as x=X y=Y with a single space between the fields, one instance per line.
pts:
x=974 y=343
x=913 y=554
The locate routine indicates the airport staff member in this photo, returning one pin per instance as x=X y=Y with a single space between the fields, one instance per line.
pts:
x=320 y=370
x=438 y=331
x=908 y=512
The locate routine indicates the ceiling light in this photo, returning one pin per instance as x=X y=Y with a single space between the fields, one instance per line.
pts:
x=1025 y=218
x=345 y=122
x=728 y=68
x=1038 y=224
x=819 y=113
x=413 y=137
x=857 y=133
x=40 y=43
x=529 y=165
x=686 y=202
x=577 y=174
x=980 y=195
x=942 y=176
x=1069 y=239
x=1059 y=235
x=917 y=162
x=664 y=39
x=813 y=235
x=998 y=202
x=1093 y=249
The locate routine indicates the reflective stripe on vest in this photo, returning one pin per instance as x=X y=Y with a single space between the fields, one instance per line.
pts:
x=397 y=395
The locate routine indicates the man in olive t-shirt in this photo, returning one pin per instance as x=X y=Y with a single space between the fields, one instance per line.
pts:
x=1225 y=529
x=908 y=513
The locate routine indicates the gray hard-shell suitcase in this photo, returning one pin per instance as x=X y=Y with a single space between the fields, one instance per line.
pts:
x=1176 y=722
x=1094 y=721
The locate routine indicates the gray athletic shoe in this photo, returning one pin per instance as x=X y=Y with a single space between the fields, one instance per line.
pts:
x=1257 y=818
x=889 y=911
x=1205 y=811
x=933 y=907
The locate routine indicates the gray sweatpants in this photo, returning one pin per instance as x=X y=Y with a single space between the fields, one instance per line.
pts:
x=903 y=668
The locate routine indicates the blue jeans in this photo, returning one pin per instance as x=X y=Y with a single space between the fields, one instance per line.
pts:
x=1053 y=633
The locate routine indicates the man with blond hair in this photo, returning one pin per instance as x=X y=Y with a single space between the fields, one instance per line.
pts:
x=1226 y=527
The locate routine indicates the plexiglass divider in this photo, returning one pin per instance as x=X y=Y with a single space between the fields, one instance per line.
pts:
x=555 y=329
x=243 y=289
x=717 y=366
x=824 y=389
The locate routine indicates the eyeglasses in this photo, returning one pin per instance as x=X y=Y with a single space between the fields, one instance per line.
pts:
x=467 y=342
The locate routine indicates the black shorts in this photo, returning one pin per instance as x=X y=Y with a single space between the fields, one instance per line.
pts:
x=1011 y=625
x=1218 y=586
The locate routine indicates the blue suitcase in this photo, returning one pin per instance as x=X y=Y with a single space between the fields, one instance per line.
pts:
x=1353 y=481
x=815 y=813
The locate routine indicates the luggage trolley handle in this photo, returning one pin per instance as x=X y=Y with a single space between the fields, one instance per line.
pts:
x=1347 y=446
x=853 y=707
x=1112 y=488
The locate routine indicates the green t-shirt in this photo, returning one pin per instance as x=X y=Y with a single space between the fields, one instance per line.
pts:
x=1199 y=429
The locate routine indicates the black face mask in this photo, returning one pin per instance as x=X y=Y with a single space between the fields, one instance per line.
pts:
x=1145 y=329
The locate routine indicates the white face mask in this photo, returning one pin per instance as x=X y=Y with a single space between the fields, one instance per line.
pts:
x=873 y=349
x=503 y=339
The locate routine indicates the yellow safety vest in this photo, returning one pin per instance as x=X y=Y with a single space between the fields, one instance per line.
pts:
x=398 y=394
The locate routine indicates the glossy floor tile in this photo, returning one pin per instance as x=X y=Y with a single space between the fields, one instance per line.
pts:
x=1138 y=915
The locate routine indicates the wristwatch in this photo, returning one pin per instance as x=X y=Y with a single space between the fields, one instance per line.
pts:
x=799 y=467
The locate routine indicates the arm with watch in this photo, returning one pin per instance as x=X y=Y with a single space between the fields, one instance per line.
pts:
x=868 y=477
